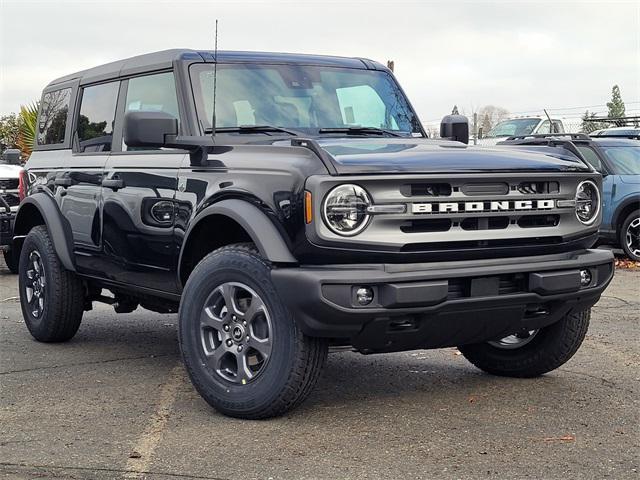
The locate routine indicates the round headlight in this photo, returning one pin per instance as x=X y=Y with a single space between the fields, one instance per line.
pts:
x=587 y=202
x=345 y=209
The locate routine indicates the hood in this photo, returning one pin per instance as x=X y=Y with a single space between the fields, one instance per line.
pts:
x=9 y=171
x=417 y=155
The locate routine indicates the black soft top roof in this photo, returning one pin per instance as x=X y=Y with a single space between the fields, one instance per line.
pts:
x=164 y=59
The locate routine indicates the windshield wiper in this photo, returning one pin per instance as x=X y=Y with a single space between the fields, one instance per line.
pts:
x=255 y=129
x=360 y=131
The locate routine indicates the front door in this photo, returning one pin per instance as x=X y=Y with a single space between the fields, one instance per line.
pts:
x=138 y=195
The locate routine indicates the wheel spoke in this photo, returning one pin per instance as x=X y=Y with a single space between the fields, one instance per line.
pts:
x=228 y=293
x=216 y=357
x=211 y=320
x=256 y=306
x=262 y=346
x=244 y=372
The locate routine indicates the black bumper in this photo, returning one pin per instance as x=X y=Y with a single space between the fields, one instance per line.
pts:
x=6 y=228
x=432 y=305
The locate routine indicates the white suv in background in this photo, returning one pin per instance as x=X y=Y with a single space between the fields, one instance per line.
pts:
x=520 y=126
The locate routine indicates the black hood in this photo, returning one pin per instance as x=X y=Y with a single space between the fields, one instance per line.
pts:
x=417 y=155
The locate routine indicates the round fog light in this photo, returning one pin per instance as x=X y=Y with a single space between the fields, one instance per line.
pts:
x=585 y=277
x=364 y=295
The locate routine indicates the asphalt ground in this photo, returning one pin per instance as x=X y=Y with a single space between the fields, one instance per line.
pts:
x=115 y=403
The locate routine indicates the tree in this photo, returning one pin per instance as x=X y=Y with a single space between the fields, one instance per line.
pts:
x=455 y=110
x=590 y=126
x=491 y=115
x=28 y=120
x=616 y=105
x=9 y=131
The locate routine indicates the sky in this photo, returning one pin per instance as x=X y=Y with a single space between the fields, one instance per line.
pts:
x=523 y=56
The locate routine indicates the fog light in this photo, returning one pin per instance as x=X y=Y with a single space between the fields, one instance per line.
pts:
x=364 y=295
x=585 y=278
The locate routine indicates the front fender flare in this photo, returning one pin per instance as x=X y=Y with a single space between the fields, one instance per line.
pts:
x=255 y=222
x=57 y=226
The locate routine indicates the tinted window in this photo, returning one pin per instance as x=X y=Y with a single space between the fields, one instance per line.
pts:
x=53 y=117
x=624 y=160
x=590 y=156
x=152 y=93
x=97 y=113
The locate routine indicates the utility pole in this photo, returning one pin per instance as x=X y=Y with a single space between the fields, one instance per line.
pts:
x=475 y=128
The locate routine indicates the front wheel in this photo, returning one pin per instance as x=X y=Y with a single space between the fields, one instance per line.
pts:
x=241 y=347
x=531 y=353
x=630 y=235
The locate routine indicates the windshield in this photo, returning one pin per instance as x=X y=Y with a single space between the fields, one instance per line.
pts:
x=510 y=128
x=624 y=160
x=301 y=97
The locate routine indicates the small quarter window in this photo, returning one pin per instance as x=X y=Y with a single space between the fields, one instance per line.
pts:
x=52 y=121
x=97 y=114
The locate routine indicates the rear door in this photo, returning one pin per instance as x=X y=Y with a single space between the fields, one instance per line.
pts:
x=138 y=194
x=81 y=181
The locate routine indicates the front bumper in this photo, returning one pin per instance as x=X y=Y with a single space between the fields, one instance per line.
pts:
x=432 y=305
x=7 y=219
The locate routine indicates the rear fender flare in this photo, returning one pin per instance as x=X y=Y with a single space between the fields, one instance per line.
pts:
x=57 y=226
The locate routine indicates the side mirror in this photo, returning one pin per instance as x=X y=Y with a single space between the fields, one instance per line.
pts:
x=11 y=156
x=455 y=127
x=148 y=129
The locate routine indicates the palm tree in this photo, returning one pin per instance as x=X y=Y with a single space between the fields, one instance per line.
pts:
x=27 y=127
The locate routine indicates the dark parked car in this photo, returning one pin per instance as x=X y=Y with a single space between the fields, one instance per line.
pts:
x=618 y=159
x=288 y=204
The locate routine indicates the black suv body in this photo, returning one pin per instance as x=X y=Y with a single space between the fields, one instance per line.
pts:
x=317 y=214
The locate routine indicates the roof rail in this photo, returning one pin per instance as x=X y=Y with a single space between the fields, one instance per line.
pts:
x=632 y=137
x=573 y=136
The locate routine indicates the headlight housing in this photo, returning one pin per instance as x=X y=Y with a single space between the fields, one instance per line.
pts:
x=344 y=209
x=587 y=202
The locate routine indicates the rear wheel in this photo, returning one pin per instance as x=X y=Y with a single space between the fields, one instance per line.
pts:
x=630 y=235
x=242 y=349
x=531 y=353
x=12 y=259
x=52 y=298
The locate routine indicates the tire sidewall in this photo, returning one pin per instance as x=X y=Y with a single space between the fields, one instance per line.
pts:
x=34 y=242
x=214 y=270
x=623 y=234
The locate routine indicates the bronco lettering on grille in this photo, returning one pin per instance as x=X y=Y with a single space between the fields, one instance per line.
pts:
x=490 y=206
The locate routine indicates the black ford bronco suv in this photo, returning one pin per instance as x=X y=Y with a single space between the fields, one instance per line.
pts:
x=306 y=210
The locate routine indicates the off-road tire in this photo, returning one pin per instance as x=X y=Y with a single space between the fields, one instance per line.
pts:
x=552 y=347
x=63 y=295
x=12 y=259
x=623 y=235
x=296 y=360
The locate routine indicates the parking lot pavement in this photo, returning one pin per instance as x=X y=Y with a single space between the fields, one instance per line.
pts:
x=115 y=403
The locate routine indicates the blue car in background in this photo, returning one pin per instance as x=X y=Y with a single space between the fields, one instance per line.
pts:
x=618 y=159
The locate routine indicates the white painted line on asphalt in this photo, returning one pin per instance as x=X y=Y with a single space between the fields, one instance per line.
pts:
x=142 y=453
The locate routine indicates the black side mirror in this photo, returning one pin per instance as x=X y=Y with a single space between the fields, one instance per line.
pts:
x=11 y=156
x=455 y=127
x=148 y=129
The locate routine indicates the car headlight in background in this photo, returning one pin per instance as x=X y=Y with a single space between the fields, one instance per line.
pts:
x=345 y=209
x=587 y=202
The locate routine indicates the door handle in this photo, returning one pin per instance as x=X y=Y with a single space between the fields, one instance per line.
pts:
x=113 y=183
x=63 y=182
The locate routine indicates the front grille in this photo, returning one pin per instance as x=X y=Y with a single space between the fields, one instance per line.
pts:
x=537 y=221
x=485 y=223
x=529 y=188
x=426 y=190
x=510 y=242
x=483 y=189
x=9 y=183
x=11 y=199
x=429 y=225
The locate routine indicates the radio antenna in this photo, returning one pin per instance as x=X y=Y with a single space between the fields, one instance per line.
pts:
x=215 y=76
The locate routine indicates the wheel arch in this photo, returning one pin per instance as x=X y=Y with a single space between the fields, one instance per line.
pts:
x=234 y=221
x=41 y=209
x=621 y=213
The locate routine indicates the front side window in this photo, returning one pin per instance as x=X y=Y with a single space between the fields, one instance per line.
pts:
x=301 y=97
x=52 y=121
x=152 y=93
x=97 y=114
x=590 y=156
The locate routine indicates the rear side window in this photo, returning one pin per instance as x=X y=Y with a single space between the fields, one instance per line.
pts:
x=97 y=114
x=53 y=117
